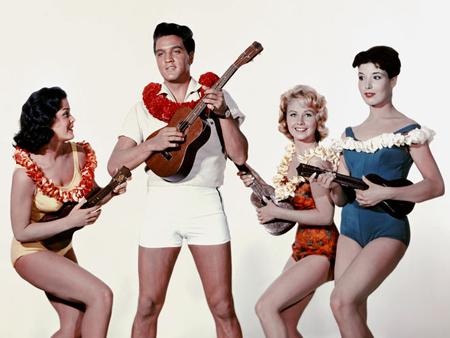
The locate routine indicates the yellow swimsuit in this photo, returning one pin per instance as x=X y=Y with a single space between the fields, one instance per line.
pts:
x=41 y=205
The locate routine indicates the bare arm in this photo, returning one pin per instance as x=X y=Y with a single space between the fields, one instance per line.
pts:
x=128 y=153
x=236 y=144
x=22 y=191
x=431 y=186
x=322 y=214
x=337 y=194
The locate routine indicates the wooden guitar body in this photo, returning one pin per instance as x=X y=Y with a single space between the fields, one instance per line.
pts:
x=263 y=192
x=174 y=164
x=63 y=239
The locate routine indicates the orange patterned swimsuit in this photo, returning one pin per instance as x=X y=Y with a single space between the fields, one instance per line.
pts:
x=312 y=239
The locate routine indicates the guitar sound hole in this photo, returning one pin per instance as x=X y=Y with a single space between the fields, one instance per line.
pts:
x=166 y=155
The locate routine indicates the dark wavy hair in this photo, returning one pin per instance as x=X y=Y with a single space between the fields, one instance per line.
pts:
x=384 y=57
x=184 y=32
x=36 y=119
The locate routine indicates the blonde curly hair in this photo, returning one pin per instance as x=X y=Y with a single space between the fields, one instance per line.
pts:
x=312 y=100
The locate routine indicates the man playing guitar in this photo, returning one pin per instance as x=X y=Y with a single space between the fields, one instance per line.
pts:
x=190 y=209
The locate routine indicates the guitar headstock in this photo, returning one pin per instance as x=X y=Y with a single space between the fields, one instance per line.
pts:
x=249 y=54
x=122 y=175
x=307 y=170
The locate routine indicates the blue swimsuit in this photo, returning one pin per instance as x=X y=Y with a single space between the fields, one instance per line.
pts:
x=366 y=224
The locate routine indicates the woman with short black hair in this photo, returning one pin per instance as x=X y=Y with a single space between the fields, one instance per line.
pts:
x=386 y=143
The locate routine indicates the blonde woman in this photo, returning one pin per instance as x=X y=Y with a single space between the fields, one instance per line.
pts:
x=303 y=114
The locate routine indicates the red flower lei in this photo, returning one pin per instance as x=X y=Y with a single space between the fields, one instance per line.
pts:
x=162 y=108
x=44 y=184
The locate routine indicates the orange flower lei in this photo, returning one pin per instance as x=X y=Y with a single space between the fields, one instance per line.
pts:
x=44 y=184
x=162 y=108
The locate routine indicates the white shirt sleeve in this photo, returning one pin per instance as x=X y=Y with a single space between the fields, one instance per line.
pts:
x=232 y=105
x=131 y=127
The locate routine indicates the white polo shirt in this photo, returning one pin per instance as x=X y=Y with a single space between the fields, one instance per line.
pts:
x=209 y=165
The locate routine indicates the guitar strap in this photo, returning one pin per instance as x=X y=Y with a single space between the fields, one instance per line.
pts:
x=219 y=133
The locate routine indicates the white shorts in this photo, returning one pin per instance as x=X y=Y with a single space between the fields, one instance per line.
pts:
x=193 y=213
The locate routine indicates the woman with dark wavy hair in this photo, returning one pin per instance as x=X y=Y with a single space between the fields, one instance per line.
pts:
x=51 y=171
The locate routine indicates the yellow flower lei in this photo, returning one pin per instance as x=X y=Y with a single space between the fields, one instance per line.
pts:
x=285 y=187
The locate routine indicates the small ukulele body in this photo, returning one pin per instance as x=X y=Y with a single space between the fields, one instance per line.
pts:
x=61 y=240
x=174 y=164
x=263 y=192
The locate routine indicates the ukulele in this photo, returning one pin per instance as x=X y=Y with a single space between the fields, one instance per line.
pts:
x=61 y=240
x=397 y=209
x=263 y=192
x=175 y=163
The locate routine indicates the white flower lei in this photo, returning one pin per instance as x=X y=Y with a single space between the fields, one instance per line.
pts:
x=285 y=187
x=387 y=140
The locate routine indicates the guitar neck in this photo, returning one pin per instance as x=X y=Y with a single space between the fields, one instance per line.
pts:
x=101 y=194
x=120 y=177
x=257 y=185
x=254 y=49
x=200 y=107
x=344 y=180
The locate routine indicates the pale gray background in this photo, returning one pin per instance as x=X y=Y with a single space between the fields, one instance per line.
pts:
x=100 y=52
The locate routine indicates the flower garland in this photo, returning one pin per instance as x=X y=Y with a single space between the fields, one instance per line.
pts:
x=285 y=187
x=48 y=188
x=162 y=108
x=387 y=140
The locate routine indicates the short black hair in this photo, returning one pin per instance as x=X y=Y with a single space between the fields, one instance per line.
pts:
x=36 y=119
x=184 y=32
x=384 y=57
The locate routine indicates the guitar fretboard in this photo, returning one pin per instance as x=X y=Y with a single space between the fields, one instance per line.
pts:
x=307 y=170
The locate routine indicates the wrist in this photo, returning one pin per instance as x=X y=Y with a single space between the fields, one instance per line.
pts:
x=225 y=115
x=389 y=193
x=149 y=148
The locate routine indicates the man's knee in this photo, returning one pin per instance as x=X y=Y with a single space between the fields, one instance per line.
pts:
x=149 y=306
x=222 y=308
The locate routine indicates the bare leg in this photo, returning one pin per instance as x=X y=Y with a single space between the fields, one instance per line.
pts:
x=155 y=268
x=291 y=315
x=70 y=314
x=295 y=284
x=214 y=266
x=347 y=251
x=365 y=273
x=65 y=280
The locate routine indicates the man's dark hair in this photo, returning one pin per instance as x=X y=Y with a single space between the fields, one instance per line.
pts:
x=38 y=114
x=384 y=57
x=184 y=32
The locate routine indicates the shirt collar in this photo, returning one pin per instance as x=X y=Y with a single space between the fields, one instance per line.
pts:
x=194 y=87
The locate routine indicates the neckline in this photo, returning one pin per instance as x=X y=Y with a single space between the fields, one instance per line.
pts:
x=394 y=132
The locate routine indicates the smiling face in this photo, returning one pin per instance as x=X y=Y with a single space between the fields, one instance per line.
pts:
x=374 y=85
x=172 y=59
x=63 y=123
x=301 y=121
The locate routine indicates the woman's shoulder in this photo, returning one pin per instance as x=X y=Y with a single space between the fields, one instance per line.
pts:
x=22 y=179
x=84 y=152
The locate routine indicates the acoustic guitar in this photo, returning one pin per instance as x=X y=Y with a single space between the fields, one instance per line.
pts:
x=61 y=240
x=263 y=192
x=175 y=163
x=397 y=209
